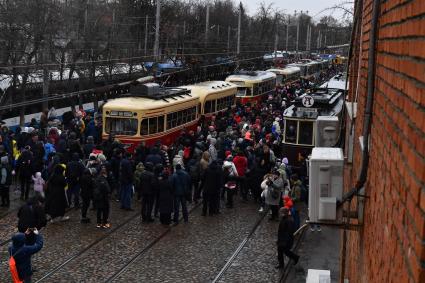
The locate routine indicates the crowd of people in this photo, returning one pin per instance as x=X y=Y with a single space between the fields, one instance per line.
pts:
x=236 y=153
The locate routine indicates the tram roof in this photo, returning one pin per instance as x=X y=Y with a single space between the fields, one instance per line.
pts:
x=337 y=82
x=285 y=71
x=134 y=103
x=253 y=76
x=210 y=87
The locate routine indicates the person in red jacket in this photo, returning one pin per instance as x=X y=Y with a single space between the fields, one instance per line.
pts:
x=241 y=164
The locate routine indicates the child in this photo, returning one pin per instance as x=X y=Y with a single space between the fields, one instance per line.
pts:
x=38 y=184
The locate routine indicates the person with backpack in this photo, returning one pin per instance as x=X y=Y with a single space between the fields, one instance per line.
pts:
x=272 y=188
x=20 y=255
x=5 y=181
x=101 y=194
x=230 y=176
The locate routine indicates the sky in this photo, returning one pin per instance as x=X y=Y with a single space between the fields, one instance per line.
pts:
x=314 y=7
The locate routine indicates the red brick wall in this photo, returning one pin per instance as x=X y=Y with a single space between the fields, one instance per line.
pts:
x=390 y=246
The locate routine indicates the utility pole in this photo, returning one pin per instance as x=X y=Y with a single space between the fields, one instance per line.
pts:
x=146 y=34
x=184 y=33
x=228 y=38
x=276 y=38
x=46 y=79
x=306 y=38
x=218 y=33
x=287 y=33
x=157 y=21
x=298 y=34
x=207 y=25
x=238 y=49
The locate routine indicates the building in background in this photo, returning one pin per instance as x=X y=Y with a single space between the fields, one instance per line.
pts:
x=389 y=245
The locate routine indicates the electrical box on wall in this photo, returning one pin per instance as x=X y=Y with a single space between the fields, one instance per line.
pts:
x=325 y=183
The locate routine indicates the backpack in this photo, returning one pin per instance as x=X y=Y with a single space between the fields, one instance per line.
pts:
x=186 y=152
x=13 y=269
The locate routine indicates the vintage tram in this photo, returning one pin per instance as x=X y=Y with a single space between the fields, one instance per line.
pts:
x=314 y=119
x=253 y=86
x=150 y=113
x=287 y=75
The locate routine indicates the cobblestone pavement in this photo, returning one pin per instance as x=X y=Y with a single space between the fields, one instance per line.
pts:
x=9 y=218
x=194 y=252
x=65 y=239
x=257 y=259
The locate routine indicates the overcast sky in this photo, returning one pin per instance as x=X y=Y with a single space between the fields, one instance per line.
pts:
x=312 y=6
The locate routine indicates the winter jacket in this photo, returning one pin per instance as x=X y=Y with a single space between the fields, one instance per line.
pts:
x=126 y=172
x=241 y=164
x=165 y=195
x=272 y=192
x=285 y=234
x=180 y=182
x=147 y=182
x=22 y=253
x=212 y=180
x=101 y=192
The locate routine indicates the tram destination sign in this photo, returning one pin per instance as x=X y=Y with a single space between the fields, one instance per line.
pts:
x=305 y=109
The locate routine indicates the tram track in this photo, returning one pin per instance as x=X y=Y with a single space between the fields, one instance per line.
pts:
x=145 y=249
x=239 y=248
x=87 y=248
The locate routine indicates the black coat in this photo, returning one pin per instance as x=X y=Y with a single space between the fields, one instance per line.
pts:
x=212 y=180
x=101 y=192
x=31 y=215
x=165 y=196
x=55 y=196
x=285 y=234
x=148 y=183
x=87 y=185
x=126 y=172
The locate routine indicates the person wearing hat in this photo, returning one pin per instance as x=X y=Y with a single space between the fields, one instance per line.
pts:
x=22 y=252
x=285 y=238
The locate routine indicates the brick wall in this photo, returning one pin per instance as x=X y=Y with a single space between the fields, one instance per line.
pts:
x=390 y=246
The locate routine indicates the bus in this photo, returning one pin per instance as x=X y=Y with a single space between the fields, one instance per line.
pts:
x=150 y=114
x=253 y=86
x=214 y=96
x=286 y=75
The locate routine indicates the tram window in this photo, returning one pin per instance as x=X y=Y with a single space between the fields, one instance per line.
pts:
x=144 y=127
x=306 y=133
x=160 y=124
x=255 y=89
x=248 y=92
x=153 y=125
x=121 y=126
x=209 y=106
x=241 y=91
x=291 y=131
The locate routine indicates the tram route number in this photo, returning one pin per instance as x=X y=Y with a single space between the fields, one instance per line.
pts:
x=308 y=101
